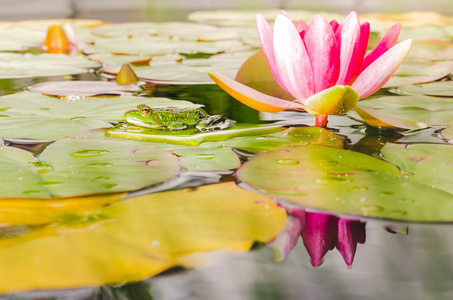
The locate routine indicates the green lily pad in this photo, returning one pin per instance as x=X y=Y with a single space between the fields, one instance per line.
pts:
x=188 y=71
x=428 y=164
x=157 y=45
x=190 y=137
x=421 y=33
x=346 y=182
x=442 y=88
x=33 y=65
x=35 y=116
x=424 y=109
x=119 y=60
x=412 y=72
x=72 y=167
x=128 y=29
x=134 y=239
x=290 y=138
x=447 y=133
x=208 y=159
x=82 y=88
x=431 y=50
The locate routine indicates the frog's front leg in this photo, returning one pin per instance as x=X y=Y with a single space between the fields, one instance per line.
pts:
x=215 y=122
x=177 y=126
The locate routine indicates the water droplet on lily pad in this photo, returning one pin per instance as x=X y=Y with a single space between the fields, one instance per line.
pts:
x=206 y=156
x=98 y=165
x=287 y=162
x=89 y=153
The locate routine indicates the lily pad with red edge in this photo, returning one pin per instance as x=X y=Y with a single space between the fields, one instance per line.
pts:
x=424 y=109
x=346 y=182
x=188 y=137
x=72 y=167
x=441 y=88
x=380 y=119
x=137 y=238
x=290 y=138
x=82 y=88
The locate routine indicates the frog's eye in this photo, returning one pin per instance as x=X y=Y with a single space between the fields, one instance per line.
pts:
x=145 y=110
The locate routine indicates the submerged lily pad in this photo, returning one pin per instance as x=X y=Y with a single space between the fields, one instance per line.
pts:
x=35 y=116
x=290 y=138
x=191 y=137
x=82 y=88
x=208 y=159
x=442 y=88
x=33 y=65
x=73 y=167
x=346 y=182
x=425 y=109
x=137 y=238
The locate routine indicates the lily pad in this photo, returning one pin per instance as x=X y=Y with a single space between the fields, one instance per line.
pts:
x=190 y=137
x=122 y=59
x=72 y=167
x=82 y=88
x=346 y=182
x=428 y=164
x=442 y=88
x=425 y=109
x=379 y=119
x=421 y=33
x=33 y=65
x=157 y=45
x=137 y=238
x=208 y=159
x=447 y=133
x=188 y=71
x=35 y=116
x=290 y=138
x=431 y=50
x=419 y=72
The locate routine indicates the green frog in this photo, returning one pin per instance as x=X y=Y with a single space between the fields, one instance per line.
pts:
x=174 y=118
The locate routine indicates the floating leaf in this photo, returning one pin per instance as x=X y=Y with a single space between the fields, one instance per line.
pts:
x=419 y=72
x=190 y=137
x=421 y=33
x=137 y=238
x=157 y=45
x=73 y=167
x=208 y=159
x=442 y=88
x=32 y=65
x=346 y=182
x=82 y=88
x=425 y=109
x=409 y=18
x=431 y=50
x=37 y=211
x=428 y=164
x=35 y=116
x=381 y=119
x=291 y=138
x=122 y=59
x=189 y=71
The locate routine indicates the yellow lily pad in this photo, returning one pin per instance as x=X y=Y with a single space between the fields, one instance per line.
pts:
x=137 y=238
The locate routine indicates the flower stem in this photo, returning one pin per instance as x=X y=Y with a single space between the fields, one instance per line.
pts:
x=321 y=120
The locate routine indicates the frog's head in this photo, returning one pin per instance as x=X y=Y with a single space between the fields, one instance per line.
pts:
x=143 y=116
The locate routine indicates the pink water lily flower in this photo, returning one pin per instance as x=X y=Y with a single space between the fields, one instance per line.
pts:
x=322 y=65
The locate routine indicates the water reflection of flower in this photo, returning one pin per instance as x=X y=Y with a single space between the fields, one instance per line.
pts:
x=321 y=64
x=321 y=232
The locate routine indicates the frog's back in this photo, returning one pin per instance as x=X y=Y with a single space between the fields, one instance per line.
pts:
x=188 y=116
